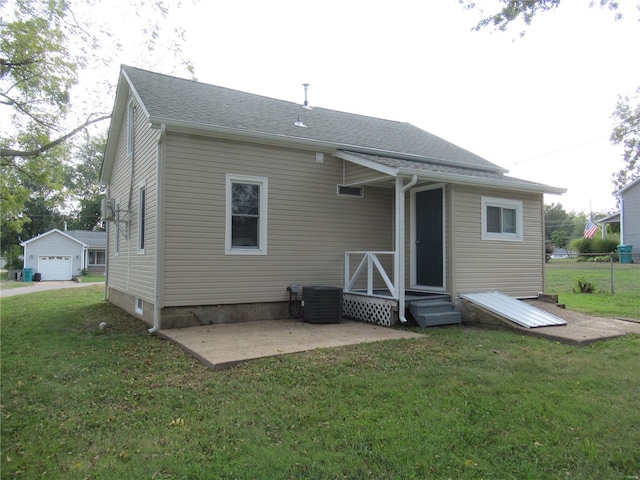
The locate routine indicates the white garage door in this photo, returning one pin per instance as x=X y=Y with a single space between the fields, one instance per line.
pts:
x=55 y=267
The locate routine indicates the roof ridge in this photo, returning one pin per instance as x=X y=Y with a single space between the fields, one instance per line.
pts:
x=243 y=92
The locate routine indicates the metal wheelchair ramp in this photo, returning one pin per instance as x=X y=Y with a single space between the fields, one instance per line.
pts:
x=513 y=309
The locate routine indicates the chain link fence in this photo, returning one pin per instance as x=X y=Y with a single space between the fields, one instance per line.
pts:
x=613 y=273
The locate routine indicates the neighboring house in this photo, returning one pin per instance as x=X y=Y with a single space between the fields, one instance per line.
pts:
x=58 y=255
x=628 y=217
x=218 y=200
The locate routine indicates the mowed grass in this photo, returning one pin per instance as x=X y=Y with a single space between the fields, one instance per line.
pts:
x=81 y=403
x=561 y=277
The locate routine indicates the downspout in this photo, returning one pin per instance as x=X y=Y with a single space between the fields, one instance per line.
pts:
x=106 y=255
x=399 y=270
x=159 y=228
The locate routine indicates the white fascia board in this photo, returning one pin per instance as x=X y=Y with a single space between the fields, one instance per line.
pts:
x=124 y=90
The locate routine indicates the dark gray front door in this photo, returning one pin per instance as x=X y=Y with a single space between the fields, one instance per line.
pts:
x=429 y=248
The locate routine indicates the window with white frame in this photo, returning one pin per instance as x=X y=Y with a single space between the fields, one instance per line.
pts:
x=246 y=215
x=130 y=128
x=139 y=306
x=116 y=234
x=142 y=217
x=501 y=219
x=96 y=257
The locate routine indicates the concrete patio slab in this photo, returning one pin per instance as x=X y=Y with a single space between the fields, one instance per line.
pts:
x=225 y=345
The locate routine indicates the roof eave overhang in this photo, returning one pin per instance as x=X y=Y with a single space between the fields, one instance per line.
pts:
x=300 y=142
x=484 y=182
x=450 y=177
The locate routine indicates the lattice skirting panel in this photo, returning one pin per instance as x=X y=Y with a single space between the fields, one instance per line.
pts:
x=369 y=309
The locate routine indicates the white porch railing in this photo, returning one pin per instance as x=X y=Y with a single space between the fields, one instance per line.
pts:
x=367 y=263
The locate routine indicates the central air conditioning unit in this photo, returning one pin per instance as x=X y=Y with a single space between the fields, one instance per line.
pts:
x=322 y=304
x=108 y=209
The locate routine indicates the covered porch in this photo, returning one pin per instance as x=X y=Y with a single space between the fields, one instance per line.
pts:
x=416 y=276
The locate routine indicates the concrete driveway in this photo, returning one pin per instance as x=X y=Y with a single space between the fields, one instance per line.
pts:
x=42 y=286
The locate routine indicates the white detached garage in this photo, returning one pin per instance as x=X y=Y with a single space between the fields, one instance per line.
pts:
x=54 y=255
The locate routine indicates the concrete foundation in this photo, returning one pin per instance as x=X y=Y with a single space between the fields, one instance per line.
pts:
x=198 y=315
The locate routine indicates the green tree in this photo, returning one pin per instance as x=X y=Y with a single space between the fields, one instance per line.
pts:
x=627 y=134
x=46 y=49
x=526 y=10
x=83 y=182
x=557 y=223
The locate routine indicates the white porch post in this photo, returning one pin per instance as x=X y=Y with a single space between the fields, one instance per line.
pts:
x=399 y=264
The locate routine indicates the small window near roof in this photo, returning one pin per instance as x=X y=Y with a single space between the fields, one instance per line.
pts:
x=345 y=191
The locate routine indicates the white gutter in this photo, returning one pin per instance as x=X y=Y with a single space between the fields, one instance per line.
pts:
x=518 y=186
x=156 y=280
x=398 y=266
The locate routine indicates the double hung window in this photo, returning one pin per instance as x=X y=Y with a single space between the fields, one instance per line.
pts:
x=246 y=215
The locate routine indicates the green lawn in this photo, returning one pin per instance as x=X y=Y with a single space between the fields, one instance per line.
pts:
x=5 y=283
x=561 y=277
x=464 y=403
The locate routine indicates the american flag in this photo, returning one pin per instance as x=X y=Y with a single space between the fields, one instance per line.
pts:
x=590 y=229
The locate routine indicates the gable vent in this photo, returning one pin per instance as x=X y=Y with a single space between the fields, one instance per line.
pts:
x=345 y=191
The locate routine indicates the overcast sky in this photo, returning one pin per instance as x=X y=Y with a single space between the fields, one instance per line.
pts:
x=539 y=106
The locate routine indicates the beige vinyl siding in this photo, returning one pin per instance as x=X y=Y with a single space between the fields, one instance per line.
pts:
x=129 y=271
x=357 y=175
x=631 y=220
x=512 y=267
x=309 y=225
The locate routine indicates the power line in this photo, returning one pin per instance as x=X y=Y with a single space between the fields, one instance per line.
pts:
x=559 y=150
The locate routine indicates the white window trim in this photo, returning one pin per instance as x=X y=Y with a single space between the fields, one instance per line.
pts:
x=141 y=242
x=139 y=306
x=130 y=124
x=262 y=225
x=503 y=203
x=116 y=234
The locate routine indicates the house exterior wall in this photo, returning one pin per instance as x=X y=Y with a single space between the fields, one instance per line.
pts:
x=53 y=244
x=309 y=225
x=631 y=220
x=512 y=267
x=129 y=271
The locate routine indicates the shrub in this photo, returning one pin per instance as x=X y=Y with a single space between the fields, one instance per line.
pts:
x=586 y=246
x=580 y=245
x=583 y=286
x=606 y=245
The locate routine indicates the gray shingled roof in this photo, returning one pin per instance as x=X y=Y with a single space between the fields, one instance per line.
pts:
x=448 y=170
x=169 y=100
x=91 y=239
